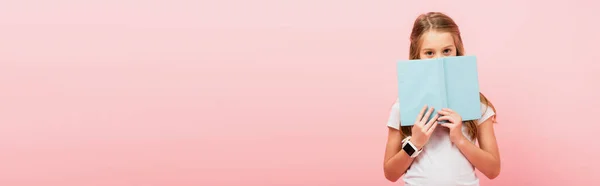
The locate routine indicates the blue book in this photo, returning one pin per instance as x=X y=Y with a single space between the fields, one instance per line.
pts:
x=449 y=82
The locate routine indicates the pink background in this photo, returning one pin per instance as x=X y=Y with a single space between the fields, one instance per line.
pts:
x=124 y=92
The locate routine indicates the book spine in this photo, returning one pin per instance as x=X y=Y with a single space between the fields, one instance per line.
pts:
x=443 y=84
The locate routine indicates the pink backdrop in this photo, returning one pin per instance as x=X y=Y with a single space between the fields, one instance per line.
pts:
x=123 y=92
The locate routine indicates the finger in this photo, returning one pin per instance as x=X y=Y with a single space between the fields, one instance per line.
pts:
x=446 y=125
x=443 y=118
x=447 y=118
x=426 y=118
x=431 y=122
x=453 y=116
x=430 y=131
x=421 y=113
x=448 y=110
x=444 y=112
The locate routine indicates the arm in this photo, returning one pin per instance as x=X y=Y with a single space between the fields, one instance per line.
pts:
x=487 y=158
x=396 y=161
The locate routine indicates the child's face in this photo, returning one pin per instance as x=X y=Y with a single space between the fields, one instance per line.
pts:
x=437 y=44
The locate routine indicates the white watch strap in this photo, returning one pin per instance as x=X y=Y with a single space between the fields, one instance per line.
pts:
x=406 y=141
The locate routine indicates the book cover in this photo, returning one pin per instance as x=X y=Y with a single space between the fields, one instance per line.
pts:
x=449 y=82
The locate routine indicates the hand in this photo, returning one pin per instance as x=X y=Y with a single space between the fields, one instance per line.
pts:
x=454 y=124
x=422 y=129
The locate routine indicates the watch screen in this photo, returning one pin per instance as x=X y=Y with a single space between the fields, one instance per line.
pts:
x=408 y=149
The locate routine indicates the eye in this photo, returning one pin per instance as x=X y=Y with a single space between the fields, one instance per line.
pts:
x=447 y=51
x=428 y=53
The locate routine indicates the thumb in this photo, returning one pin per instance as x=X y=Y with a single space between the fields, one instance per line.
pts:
x=446 y=125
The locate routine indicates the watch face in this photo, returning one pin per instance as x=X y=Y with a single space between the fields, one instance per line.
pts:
x=408 y=149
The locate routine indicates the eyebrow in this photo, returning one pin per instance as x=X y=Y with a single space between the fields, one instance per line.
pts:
x=444 y=47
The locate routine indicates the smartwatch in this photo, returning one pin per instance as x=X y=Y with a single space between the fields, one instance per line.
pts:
x=410 y=148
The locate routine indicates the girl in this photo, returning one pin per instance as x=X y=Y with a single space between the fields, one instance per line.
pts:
x=428 y=154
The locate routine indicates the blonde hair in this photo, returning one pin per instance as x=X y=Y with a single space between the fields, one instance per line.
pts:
x=437 y=21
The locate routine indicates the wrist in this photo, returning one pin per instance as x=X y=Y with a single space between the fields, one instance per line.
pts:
x=411 y=149
x=459 y=139
x=416 y=144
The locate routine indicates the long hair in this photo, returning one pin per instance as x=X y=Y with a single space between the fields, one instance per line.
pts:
x=437 y=21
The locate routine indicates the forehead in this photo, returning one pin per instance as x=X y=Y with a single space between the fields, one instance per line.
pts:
x=436 y=40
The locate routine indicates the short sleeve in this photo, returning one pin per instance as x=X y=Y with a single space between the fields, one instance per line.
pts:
x=394 y=118
x=487 y=113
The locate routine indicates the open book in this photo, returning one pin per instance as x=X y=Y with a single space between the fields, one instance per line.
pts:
x=449 y=82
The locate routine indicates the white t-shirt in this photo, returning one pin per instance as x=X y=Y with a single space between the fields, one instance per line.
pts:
x=440 y=163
